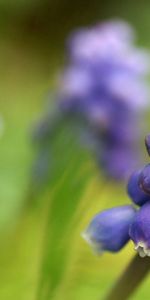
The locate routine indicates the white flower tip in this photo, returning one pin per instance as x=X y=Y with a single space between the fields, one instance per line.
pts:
x=142 y=249
x=86 y=236
x=96 y=247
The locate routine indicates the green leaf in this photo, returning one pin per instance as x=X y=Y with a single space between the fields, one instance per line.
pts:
x=70 y=179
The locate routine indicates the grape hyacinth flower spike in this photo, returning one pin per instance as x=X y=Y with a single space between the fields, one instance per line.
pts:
x=103 y=92
x=102 y=61
x=139 y=191
x=110 y=231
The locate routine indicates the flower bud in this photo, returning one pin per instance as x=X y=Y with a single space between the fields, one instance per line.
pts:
x=138 y=196
x=108 y=231
x=140 y=230
x=144 y=179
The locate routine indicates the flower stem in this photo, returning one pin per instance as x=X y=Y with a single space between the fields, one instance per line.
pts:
x=130 y=280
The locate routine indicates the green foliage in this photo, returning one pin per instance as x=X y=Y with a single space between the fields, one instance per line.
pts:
x=69 y=177
x=42 y=254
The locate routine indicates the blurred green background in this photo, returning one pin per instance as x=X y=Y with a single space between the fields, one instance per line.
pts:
x=32 y=35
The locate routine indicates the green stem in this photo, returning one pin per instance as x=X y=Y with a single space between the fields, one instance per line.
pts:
x=132 y=277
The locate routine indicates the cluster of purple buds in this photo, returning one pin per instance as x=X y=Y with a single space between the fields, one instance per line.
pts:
x=103 y=86
x=110 y=230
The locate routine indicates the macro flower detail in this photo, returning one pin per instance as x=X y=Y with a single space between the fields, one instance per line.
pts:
x=111 y=229
x=144 y=180
x=140 y=230
x=137 y=195
x=139 y=182
x=108 y=230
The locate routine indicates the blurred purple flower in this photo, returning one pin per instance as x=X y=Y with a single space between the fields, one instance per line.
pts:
x=103 y=61
x=103 y=84
x=102 y=92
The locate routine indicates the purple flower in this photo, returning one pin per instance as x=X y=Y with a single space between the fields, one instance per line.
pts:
x=103 y=85
x=137 y=195
x=102 y=61
x=140 y=230
x=108 y=231
x=139 y=182
x=111 y=229
x=144 y=180
x=102 y=95
x=144 y=174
